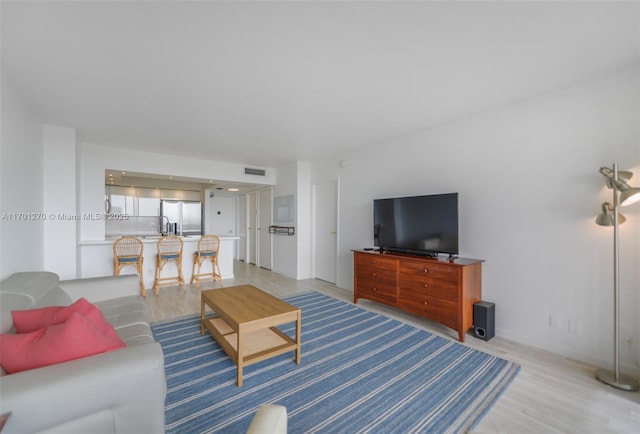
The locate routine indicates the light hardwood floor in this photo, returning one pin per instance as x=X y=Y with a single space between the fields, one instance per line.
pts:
x=551 y=394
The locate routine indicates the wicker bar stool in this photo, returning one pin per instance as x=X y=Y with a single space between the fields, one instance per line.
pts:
x=169 y=250
x=208 y=248
x=128 y=251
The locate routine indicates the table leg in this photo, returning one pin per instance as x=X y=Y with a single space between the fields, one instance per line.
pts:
x=202 y=318
x=298 y=335
x=240 y=356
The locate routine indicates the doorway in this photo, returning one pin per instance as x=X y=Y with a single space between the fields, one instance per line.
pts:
x=326 y=230
x=252 y=219
x=264 y=221
x=242 y=226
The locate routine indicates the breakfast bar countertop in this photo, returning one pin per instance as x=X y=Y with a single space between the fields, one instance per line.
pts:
x=96 y=257
x=150 y=239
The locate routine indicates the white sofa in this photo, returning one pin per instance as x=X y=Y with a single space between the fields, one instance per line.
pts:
x=270 y=419
x=121 y=391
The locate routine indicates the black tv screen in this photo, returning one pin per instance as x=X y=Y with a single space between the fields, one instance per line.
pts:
x=417 y=224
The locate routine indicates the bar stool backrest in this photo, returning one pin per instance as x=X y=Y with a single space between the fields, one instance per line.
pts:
x=208 y=245
x=127 y=248
x=170 y=246
x=127 y=251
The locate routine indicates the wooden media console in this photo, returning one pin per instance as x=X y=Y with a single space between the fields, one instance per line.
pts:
x=441 y=290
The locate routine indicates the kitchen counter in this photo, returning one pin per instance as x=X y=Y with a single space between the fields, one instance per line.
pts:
x=96 y=258
x=147 y=239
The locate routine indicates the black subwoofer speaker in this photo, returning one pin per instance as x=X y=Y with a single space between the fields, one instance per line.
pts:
x=484 y=320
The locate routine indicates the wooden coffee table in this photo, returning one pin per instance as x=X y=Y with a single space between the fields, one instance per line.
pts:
x=245 y=324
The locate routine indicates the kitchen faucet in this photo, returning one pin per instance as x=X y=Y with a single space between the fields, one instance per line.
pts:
x=162 y=226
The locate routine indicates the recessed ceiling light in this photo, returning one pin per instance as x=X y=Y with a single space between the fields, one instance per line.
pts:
x=234 y=189
x=124 y=173
x=211 y=180
x=171 y=177
x=111 y=174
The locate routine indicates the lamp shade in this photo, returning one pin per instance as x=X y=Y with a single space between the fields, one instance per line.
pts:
x=623 y=176
x=605 y=218
x=629 y=196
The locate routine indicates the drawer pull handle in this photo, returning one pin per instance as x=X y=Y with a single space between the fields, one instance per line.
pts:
x=374 y=274
x=426 y=285
x=426 y=270
x=425 y=303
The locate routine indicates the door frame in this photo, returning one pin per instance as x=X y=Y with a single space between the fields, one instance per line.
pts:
x=314 y=207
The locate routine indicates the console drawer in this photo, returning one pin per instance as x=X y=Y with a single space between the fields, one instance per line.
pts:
x=429 y=287
x=377 y=290
x=413 y=269
x=376 y=274
x=376 y=260
x=435 y=308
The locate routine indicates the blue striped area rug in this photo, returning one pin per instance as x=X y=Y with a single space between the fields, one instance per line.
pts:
x=360 y=372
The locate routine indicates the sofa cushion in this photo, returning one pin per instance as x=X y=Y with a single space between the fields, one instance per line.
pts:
x=24 y=291
x=136 y=334
x=33 y=284
x=54 y=297
x=75 y=338
x=26 y=321
x=124 y=309
x=128 y=315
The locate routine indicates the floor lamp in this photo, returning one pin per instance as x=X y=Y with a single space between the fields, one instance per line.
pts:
x=622 y=195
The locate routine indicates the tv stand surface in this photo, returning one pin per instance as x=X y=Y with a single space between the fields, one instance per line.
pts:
x=442 y=290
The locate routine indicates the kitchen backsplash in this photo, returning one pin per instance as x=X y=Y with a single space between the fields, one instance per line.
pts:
x=141 y=226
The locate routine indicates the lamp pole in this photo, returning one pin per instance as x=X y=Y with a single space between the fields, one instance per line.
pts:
x=614 y=378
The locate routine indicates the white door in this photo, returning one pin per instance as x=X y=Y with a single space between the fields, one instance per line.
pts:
x=326 y=231
x=252 y=228
x=264 y=237
x=242 y=228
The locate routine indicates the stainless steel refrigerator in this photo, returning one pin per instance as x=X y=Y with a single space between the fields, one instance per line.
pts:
x=181 y=217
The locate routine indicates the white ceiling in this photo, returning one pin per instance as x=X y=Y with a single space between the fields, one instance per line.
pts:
x=266 y=83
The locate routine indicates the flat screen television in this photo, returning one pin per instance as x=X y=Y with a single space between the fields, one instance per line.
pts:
x=425 y=225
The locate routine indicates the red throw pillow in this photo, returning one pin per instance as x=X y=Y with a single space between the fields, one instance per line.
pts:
x=75 y=338
x=27 y=321
x=31 y=320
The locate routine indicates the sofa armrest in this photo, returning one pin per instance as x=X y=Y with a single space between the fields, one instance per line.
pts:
x=118 y=391
x=97 y=289
x=269 y=419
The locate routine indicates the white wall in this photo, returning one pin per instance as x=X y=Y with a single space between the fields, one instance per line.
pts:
x=21 y=234
x=285 y=248
x=220 y=215
x=529 y=191
x=292 y=254
x=59 y=201
x=303 y=220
